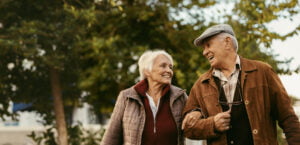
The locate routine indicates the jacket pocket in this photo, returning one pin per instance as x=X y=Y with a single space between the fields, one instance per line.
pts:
x=211 y=105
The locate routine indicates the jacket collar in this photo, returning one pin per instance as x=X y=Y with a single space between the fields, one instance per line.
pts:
x=175 y=93
x=246 y=67
x=142 y=87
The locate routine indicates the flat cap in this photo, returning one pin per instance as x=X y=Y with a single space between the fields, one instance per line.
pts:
x=213 y=30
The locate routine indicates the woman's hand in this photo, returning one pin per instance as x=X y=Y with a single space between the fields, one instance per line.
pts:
x=190 y=119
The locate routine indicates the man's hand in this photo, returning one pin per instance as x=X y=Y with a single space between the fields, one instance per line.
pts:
x=222 y=121
x=190 y=119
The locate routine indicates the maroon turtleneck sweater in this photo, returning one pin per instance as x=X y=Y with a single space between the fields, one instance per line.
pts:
x=162 y=130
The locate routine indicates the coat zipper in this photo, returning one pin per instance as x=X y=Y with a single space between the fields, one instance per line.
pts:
x=154 y=126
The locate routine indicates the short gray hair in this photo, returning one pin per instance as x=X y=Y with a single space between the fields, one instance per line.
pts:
x=147 y=59
x=234 y=40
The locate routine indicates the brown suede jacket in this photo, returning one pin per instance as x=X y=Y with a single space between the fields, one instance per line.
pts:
x=266 y=102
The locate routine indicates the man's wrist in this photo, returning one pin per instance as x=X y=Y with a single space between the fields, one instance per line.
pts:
x=195 y=109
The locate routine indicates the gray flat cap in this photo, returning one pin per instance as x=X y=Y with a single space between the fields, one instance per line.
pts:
x=213 y=30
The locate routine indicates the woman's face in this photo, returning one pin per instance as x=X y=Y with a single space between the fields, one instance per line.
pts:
x=162 y=70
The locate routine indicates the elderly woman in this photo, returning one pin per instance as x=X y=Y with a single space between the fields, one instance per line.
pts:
x=148 y=113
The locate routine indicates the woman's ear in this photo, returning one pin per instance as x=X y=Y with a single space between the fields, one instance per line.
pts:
x=147 y=73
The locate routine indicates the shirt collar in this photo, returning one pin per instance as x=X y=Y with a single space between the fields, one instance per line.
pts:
x=238 y=63
x=217 y=72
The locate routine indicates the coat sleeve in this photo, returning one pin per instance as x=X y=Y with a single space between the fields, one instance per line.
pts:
x=114 y=132
x=282 y=108
x=204 y=128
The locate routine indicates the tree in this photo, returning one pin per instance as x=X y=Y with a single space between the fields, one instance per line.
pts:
x=253 y=18
x=41 y=65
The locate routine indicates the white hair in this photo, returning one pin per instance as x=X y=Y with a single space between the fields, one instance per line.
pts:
x=147 y=59
x=233 y=39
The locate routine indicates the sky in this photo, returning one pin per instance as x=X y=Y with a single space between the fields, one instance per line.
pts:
x=287 y=49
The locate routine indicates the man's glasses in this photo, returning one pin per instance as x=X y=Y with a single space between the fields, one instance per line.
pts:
x=228 y=103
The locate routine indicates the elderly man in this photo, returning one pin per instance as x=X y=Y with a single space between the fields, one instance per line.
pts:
x=238 y=100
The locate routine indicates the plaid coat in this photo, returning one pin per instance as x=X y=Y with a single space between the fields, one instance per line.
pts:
x=128 y=118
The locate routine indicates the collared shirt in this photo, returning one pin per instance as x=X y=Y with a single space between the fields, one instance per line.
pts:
x=153 y=107
x=229 y=84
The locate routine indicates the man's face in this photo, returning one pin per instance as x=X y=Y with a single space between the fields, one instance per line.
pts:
x=213 y=50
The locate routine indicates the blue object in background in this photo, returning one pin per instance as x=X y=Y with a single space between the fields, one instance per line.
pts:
x=21 y=107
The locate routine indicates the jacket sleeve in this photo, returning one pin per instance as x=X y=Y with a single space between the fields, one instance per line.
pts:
x=204 y=127
x=114 y=132
x=282 y=109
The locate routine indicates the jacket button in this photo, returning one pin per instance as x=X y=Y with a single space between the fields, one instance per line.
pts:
x=246 y=102
x=255 y=131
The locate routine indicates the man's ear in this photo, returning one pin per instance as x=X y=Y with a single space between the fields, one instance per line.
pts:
x=228 y=41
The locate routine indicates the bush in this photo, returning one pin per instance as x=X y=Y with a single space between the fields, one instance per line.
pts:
x=78 y=135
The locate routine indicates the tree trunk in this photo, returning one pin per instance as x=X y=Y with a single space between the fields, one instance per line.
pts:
x=58 y=108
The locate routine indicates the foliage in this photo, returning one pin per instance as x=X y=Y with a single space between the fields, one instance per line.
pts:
x=78 y=135
x=40 y=35
x=95 y=44
x=253 y=34
x=280 y=136
x=47 y=137
x=36 y=37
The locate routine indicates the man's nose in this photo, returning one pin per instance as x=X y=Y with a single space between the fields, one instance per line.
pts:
x=204 y=51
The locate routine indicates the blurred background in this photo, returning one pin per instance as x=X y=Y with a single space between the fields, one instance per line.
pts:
x=63 y=62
